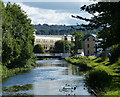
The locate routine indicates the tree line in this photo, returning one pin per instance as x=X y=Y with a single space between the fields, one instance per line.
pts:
x=46 y=29
x=17 y=37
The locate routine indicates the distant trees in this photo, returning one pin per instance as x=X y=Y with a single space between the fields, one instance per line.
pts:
x=57 y=30
x=38 y=49
x=17 y=37
x=62 y=46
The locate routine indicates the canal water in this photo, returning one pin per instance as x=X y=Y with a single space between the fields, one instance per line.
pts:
x=50 y=77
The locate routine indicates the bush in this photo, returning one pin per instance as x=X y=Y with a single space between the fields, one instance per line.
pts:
x=62 y=46
x=115 y=53
x=80 y=61
x=38 y=49
x=98 y=80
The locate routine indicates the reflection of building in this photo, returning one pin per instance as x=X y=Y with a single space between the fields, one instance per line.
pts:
x=89 y=45
x=48 y=41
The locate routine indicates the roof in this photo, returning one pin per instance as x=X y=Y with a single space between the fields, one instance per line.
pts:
x=86 y=36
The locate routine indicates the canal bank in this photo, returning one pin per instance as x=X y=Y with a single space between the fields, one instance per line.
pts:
x=6 y=73
x=49 y=77
x=98 y=67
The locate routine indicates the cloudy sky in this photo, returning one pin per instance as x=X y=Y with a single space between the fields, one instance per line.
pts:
x=52 y=12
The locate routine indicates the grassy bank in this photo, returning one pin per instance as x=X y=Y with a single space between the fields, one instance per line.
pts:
x=5 y=72
x=93 y=63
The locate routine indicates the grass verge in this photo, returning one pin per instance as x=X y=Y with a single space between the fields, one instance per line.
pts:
x=104 y=65
x=5 y=72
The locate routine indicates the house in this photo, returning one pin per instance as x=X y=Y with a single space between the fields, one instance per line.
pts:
x=88 y=45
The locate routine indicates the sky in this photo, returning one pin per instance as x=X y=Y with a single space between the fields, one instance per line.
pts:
x=53 y=12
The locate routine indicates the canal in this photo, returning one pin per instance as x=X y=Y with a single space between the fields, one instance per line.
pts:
x=50 y=77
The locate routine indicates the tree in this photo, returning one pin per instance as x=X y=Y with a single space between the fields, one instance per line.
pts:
x=78 y=39
x=98 y=80
x=0 y=31
x=115 y=53
x=62 y=46
x=108 y=19
x=17 y=37
x=38 y=49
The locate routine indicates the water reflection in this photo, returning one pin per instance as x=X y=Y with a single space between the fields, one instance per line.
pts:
x=50 y=77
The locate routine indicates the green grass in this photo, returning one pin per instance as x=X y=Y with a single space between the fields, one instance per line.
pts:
x=5 y=72
x=113 y=93
x=105 y=65
x=100 y=64
x=17 y=88
x=78 y=61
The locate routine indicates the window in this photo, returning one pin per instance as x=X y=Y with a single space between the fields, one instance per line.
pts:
x=88 y=39
x=65 y=37
x=44 y=46
x=88 y=45
x=88 y=52
x=71 y=38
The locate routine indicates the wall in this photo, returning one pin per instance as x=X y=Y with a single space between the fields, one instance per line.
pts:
x=89 y=46
x=48 y=41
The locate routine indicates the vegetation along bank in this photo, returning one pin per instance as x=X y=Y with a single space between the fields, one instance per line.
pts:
x=17 y=41
x=102 y=76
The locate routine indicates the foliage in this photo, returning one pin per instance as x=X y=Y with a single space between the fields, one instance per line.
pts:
x=46 y=29
x=17 y=37
x=38 y=49
x=12 y=72
x=80 y=61
x=62 y=46
x=78 y=38
x=98 y=64
x=115 y=53
x=107 y=18
x=17 y=88
x=98 y=80
x=0 y=29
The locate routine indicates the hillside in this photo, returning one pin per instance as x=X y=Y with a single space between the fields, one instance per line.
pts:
x=46 y=29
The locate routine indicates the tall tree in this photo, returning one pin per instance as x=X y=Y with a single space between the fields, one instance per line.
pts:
x=18 y=39
x=62 y=46
x=78 y=39
x=0 y=32
x=108 y=19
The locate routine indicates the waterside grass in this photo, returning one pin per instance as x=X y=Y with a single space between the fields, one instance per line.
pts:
x=95 y=63
x=6 y=73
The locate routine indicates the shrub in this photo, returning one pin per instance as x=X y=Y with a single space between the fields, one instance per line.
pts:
x=98 y=80
x=115 y=53
x=38 y=49
x=62 y=46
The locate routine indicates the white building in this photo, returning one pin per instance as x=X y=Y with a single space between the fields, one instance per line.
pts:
x=48 y=41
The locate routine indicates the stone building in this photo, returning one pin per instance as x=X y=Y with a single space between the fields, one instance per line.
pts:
x=48 y=41
x=88 y=45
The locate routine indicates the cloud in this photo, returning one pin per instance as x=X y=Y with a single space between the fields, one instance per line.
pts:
x=51 y=0
x=49 y=16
